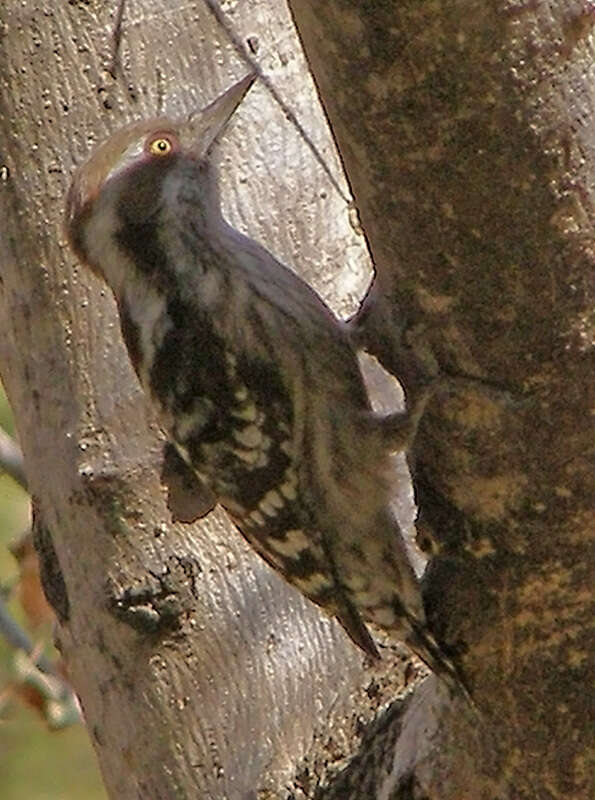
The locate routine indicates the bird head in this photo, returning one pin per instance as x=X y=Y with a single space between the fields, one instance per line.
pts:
x=125 y=169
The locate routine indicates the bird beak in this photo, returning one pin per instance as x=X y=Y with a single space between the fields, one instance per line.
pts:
x=206 y=125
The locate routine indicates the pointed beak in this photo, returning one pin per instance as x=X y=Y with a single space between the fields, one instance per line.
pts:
x=206 y=125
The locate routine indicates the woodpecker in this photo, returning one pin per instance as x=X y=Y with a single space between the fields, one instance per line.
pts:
x=256 y=383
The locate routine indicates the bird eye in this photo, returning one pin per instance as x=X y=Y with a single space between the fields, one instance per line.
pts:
x=161 y=146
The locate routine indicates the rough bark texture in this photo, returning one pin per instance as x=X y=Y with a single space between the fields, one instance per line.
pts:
x=466 y=131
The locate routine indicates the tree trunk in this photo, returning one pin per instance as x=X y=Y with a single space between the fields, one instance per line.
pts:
x=464 y=132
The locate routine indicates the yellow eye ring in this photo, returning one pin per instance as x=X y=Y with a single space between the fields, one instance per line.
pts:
x=161 y=146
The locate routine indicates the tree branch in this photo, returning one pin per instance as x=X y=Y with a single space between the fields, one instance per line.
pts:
x=11 y=460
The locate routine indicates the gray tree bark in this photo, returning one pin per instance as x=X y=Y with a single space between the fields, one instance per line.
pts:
x=201 y=673
x=463 y=129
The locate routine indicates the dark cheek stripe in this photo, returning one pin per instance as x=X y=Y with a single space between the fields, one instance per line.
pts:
x=140 y=242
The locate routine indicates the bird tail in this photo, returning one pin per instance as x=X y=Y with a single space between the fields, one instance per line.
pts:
x=423 y=644
x=356 y=628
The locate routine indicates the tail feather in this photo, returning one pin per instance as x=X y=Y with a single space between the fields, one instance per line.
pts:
x=416 y=636
x=423 y=644
x=356 y=628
